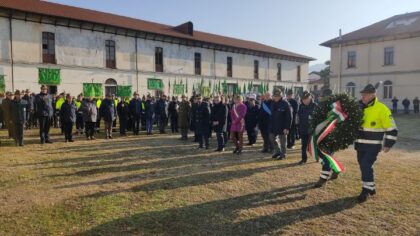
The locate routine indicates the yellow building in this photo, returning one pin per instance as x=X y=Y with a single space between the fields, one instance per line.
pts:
x=386 y=53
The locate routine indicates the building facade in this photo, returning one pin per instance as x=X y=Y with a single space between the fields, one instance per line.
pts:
x=385 y=54
x=93 y=47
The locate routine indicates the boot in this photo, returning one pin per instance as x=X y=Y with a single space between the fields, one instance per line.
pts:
x=334 y=176
x=321 y=182
x=365 y=194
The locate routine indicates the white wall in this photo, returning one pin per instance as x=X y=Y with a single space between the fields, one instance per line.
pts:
x=80 y=55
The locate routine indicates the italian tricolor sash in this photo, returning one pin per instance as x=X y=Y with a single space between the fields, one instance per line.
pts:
x=322 y=130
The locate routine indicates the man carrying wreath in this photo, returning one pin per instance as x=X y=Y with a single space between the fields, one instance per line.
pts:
x=378 y=131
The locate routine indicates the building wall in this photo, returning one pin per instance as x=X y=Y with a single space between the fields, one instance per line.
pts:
x=370 y=68
x=80 y=55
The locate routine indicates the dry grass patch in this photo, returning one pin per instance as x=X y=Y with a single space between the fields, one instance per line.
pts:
x=160 y=185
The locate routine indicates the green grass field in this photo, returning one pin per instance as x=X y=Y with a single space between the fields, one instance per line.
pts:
x=159 y=185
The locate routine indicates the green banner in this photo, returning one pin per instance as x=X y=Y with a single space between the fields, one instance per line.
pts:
x=179 y=89
x=92 y=90
x=154 y=84
x=2 y=84
x=205 y=91
x=49 y=76
x=124 y=91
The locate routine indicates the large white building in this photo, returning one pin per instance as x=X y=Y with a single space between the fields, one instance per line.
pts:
x=386 y=53
x=69 y=46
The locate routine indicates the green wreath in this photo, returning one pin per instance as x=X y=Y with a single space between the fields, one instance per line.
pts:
x=345 y=132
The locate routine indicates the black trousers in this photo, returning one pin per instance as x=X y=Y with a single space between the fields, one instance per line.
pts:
x=174 y=124
x=89 y=129
x=292 y=136
x=163 y=122
x=44 y=128
x=252 y=135
x=203 y=139
x=18 y=133
x=80 y=124
x=305 y=140
x=123 y=125
x=68 y=130
x=220 y=139
x=366 y=161
x=136 y=125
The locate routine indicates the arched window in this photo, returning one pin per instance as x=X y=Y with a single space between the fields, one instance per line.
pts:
x=110 y=86
x=351 y=89
x=387 y=89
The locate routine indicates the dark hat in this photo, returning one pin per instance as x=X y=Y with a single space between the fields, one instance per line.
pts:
x=17 y=92
x=306 y=94
x=289 y=92
x=277 y=92
x=326 y=92
x=369 y=89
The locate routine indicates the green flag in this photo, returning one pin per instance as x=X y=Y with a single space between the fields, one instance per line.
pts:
x=2 y=84
x=124 y=91
x=92 y=90
x=186 y=85
x=154 y=84
x=49 y=76
x=178 y=89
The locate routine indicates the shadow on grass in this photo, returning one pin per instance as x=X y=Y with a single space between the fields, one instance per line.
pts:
x=192 y=180
x=222 y=217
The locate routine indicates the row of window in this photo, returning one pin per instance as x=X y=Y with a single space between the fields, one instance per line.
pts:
x=387 y=92
x=48 y=56
x=388 y=57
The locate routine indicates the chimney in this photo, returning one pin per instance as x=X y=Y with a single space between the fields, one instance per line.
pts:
x=186 y=28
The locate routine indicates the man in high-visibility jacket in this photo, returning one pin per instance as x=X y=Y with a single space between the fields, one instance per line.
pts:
x=80 y=124
x=378 y=132
x=58 y=105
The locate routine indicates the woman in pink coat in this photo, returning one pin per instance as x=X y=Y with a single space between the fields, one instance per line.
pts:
x=237 y=127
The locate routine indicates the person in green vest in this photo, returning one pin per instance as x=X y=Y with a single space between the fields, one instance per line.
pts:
x=114 y=123
x=58 y=104
x=98 y=119
x=80 y=124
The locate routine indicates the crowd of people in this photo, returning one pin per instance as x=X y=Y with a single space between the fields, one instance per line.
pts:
x=279 y=120
x=406 y=105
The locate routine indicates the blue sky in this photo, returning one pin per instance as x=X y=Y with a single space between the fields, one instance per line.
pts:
x=294 y=25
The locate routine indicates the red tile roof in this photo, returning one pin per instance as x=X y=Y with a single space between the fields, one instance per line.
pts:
x=397 y=25
x=81 y=14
